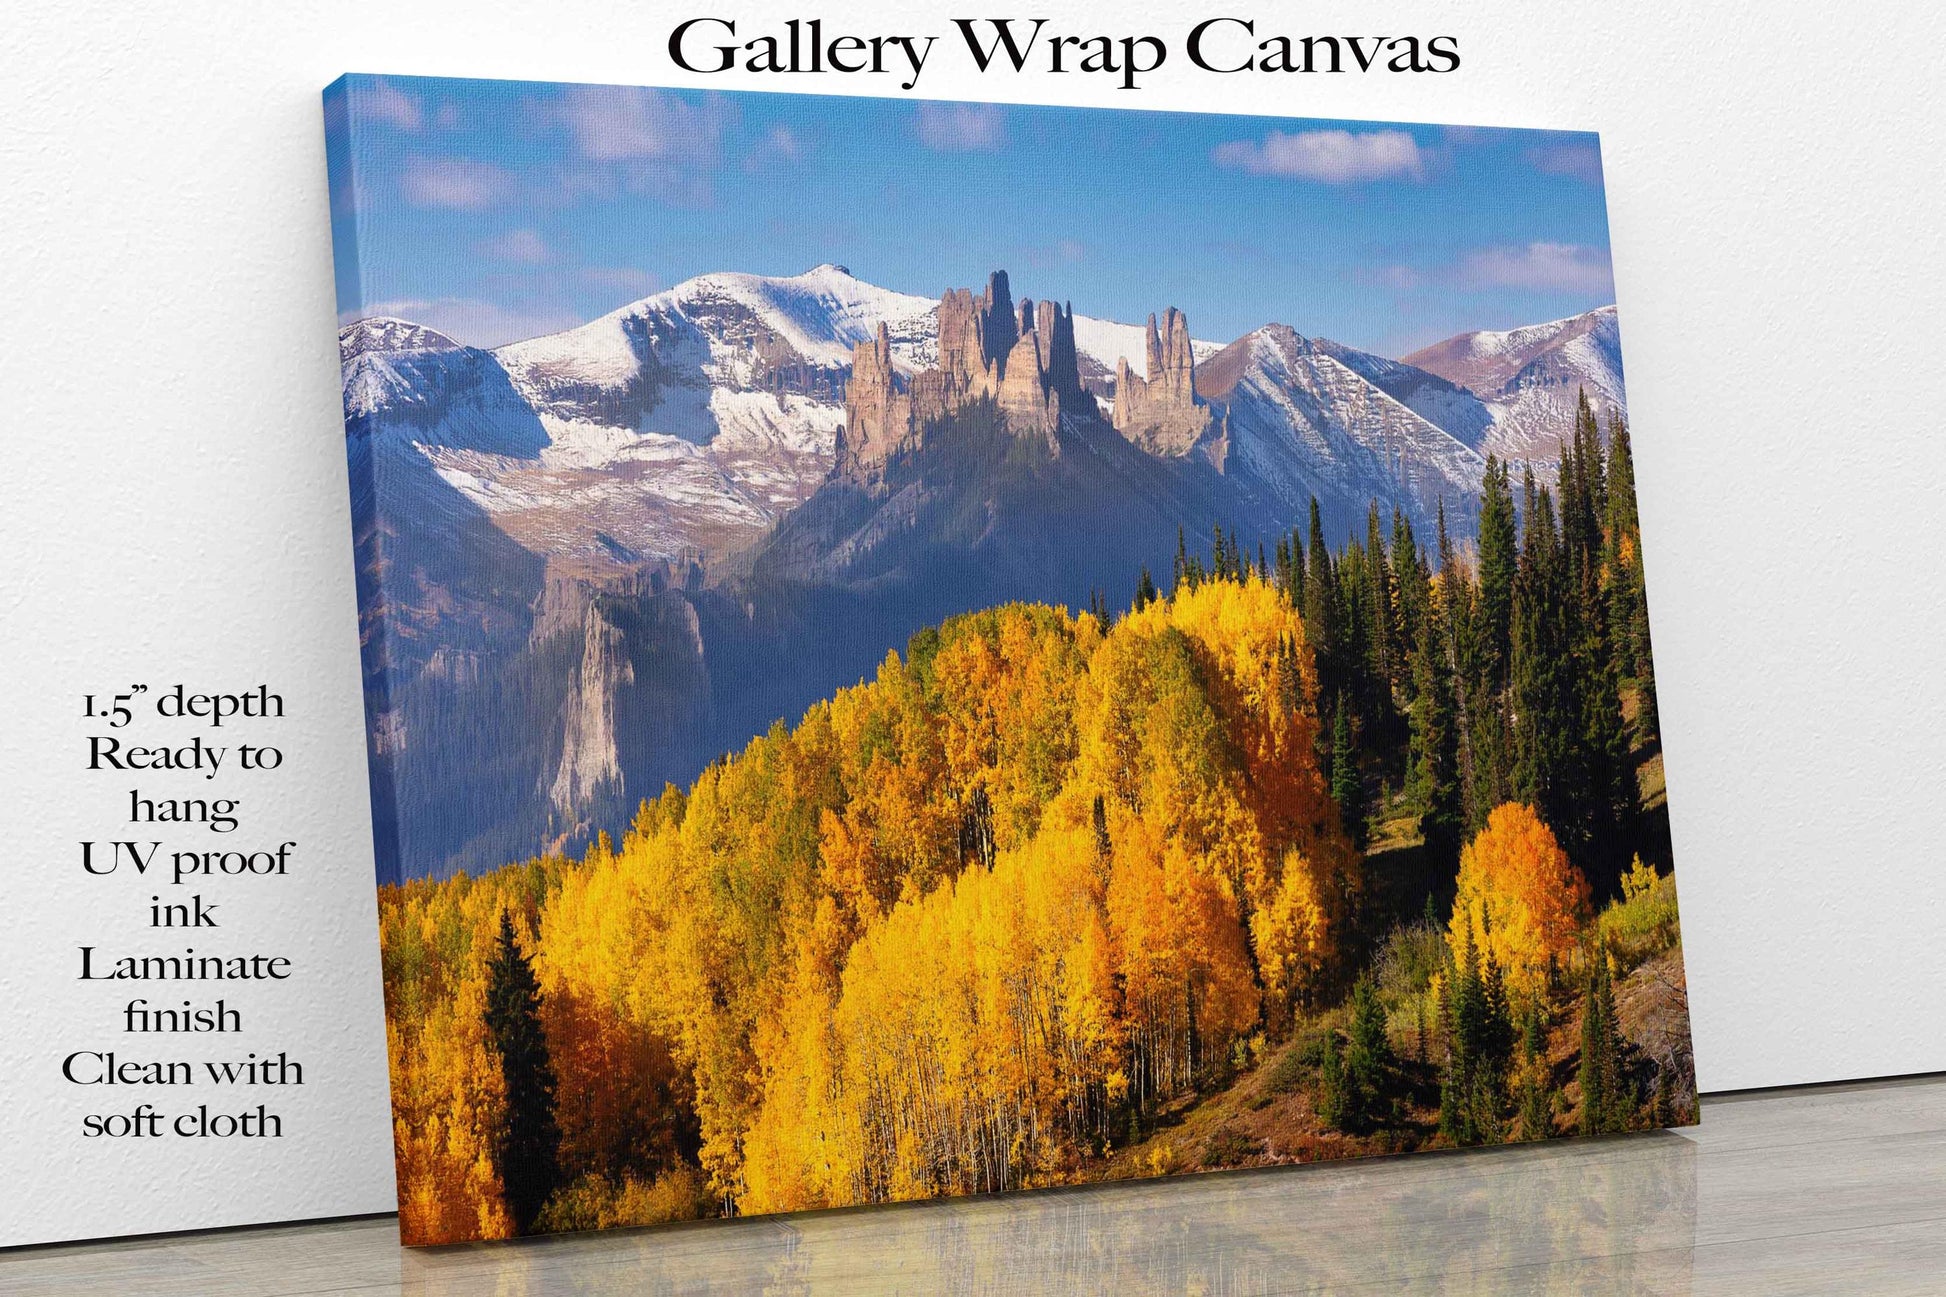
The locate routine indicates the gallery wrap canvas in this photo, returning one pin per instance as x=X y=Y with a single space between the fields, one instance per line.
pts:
x=917 y=649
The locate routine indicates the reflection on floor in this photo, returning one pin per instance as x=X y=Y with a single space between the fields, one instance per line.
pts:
x=1831 y=1190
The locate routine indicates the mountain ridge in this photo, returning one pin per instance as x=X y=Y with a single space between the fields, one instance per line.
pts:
x=647 y=537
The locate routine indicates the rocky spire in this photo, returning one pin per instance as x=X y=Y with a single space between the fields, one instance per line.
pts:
x=1002 y=328
x=1159 y=411
x=1021 y=356
x=878 y=416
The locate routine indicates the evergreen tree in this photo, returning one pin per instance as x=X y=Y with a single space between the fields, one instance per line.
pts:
x=527 y=1150
x=1369 y=1061
x=1145 y=591
x=1405 y=621
x=1346 y=786
x=1453 y=1125
x=1294 y=576
x=1464 y=1006
x=1381 y=617
x=1583 y=497
x=1542 y=689
x=1606 y=797
x=1499 y=558
x=1321 y=611
x=1332 y=1108
x=1496 y=1040
x=1432 y=786
x=1628 y=606
x=1605 y=1105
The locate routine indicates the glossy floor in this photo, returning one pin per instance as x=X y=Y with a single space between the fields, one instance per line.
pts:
x=1833 y=1190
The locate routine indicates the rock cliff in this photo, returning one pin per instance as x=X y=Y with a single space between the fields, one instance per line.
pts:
x=1159 y=411
x=1021 y=358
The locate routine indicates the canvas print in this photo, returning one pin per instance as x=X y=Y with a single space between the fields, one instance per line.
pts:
x=917 y=649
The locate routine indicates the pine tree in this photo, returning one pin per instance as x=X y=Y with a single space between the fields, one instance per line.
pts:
x=1542 y=689
x=1453 y=1125
x=1432 y=786
x=527 y=1150
x=1605 y=1106
x=1145 y=591
x=1381 y=616
x=1321 y=611
x=1332 y=1108
x=1405 y=619
x=1346 y=786
x=1606 y=796
x=1369 y=1061
x=1628 y=606
x=1533 y=1098
x=1499 y=559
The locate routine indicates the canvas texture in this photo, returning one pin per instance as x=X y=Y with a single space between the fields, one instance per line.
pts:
x=903 y=659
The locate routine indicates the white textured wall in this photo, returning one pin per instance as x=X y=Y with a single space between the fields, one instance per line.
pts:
x=175 y=493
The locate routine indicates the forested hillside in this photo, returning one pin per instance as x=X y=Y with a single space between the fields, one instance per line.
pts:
x=1309 y=854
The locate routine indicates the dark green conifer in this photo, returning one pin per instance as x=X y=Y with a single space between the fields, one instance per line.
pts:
x=1432 y=784
x=1331 y=1104
x=1347 y=788
x=1499 y=558
x=527 y=1146
x=1369 y=1061
x=1605 y=1105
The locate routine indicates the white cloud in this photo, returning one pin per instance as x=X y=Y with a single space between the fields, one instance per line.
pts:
x=1399 y=278
x=455 y=183
x=524 y=246
x=961 y=128
x=381 y=101
x=1543 y=267
x=470 y=321
x=1334 y=157
x=627 y=124
x=780 y=146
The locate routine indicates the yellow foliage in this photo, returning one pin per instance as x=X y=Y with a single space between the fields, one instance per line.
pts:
x=936 y=938
x=1519 y=900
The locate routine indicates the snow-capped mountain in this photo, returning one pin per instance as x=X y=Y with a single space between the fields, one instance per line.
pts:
x=1304 y=422
x=1530 y=378
x=1443 y=404
x=635 y=535
x=686 y=424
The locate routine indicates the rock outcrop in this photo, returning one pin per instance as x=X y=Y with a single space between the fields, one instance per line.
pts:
x=590 y=762
x=1159 y=411
x=1023 y=359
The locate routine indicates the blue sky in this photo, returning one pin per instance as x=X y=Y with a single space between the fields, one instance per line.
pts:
x=495 y=210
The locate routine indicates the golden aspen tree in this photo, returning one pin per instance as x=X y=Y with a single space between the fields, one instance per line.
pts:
x=1519 y=899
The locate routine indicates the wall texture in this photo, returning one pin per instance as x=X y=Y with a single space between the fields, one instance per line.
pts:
x=175 y=492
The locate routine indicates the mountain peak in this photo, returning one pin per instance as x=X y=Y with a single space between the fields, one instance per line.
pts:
x=389 y=333
x=1534 y=376
x=1488 y=360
